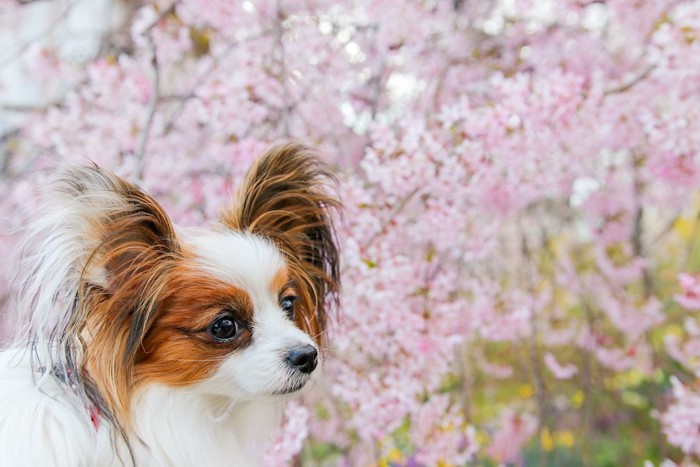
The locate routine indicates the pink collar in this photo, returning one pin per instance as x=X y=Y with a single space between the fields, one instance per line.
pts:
x=68 y=377
x=95 y=416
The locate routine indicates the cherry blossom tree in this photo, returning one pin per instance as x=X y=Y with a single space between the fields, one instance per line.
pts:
x=521 y=214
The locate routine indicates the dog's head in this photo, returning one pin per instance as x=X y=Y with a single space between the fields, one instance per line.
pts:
x=238 y=310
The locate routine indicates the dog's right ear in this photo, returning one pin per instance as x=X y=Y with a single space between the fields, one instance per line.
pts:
x=288 y=197
x=95 y=259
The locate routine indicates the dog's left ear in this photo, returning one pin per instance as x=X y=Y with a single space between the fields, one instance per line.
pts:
x=286 y=197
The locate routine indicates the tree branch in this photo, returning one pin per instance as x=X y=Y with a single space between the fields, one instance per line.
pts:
x=398 y=207
x=631 y=83
x=215 y=62
x=151 y=110
x=163 y=14
x=279 y=35
x=18 y=52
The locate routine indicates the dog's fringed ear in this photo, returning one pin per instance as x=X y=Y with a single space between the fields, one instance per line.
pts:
x=125 y=277
x=96 y=259
x=287 y=197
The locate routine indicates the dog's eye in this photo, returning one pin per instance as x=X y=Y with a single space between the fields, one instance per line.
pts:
x=224 y=328
x=287 y=305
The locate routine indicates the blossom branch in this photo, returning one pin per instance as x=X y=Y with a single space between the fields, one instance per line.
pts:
x=181 y=100
x=150 y=110
x=17 y=53
x=533 y=344
x=279 y=36
x=161 y=16
x=398 y=207
x=626 y=86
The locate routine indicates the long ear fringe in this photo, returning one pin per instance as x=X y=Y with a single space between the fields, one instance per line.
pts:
x=288 y=197
x=57 y=247
x=60 y=272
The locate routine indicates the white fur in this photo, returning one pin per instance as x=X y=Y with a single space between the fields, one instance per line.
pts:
x=224 y=420
x=183 y=427
x=43 y=425
x=54 y=252
x=251 y=263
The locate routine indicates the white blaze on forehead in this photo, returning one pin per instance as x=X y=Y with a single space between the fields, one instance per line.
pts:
x=242 y=259
x=251 y=263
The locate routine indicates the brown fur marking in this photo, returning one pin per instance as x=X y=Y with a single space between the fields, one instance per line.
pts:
x=286 y=197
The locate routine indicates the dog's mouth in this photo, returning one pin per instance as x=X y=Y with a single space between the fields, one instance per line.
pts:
x=292 y=388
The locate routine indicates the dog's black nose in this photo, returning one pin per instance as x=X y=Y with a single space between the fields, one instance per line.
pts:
x=304 y=358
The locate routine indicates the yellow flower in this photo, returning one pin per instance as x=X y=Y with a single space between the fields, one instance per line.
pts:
x=577 y=399
x=684 y=227
x=546 y=440
x=394 y=455
x=482 y=438
x=564 y=438
x=525 y=391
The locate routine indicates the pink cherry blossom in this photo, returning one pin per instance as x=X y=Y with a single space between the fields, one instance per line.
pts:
x=519 y=183
x=682 y=419
x=558 y=370
x=513 y=431
x=690 y=298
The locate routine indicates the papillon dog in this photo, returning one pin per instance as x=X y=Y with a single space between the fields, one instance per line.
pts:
x=151 y=345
